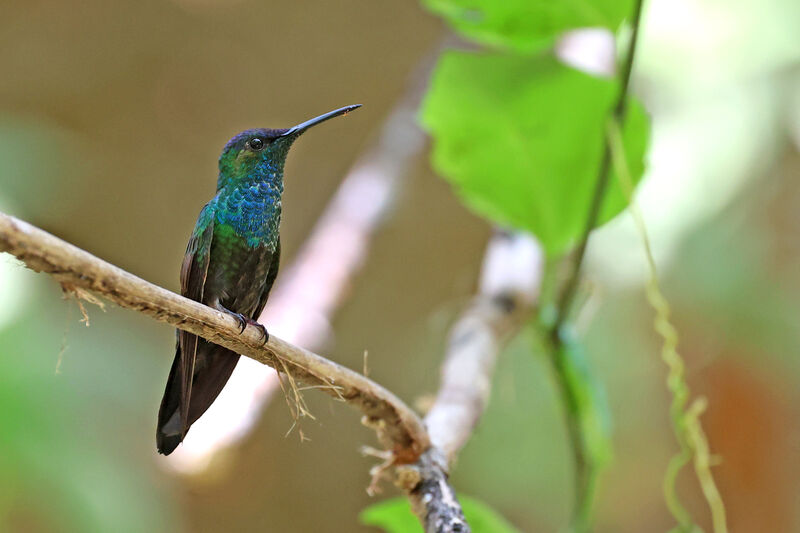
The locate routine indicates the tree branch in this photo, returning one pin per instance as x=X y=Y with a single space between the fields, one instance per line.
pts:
x=399 y=429
x=510 y=281
x=509 y=285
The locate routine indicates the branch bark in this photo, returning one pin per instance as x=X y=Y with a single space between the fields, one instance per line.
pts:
x=399 y=429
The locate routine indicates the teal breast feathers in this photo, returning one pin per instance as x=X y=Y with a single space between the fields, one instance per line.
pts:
x=251 y=215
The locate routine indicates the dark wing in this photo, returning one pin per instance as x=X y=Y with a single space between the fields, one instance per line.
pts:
x=194 y=271
x=272 y=273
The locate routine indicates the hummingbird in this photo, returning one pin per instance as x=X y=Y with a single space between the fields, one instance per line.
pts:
x=230 y=264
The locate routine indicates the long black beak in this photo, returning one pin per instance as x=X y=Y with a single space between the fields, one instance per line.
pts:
x=300 y=128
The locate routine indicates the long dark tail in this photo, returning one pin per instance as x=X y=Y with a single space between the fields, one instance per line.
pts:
x=213 y=367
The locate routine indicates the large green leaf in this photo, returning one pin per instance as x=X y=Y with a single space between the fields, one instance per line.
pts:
x=525 y=25
x=521 y=139
x=394 y=516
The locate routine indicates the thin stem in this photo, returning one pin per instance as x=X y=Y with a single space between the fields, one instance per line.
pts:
x=587 y=459
x=585 y=468
x=568 y=294
x=582 y=462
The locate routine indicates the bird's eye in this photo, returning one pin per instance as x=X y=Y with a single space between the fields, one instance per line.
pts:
x=256 y=143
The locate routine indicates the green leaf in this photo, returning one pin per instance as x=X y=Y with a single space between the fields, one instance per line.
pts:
x=394 y=516
x=484 y=519
x=521 y=139
x=527 y=25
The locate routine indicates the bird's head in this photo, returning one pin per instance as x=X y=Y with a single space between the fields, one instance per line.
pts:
x=261 y=153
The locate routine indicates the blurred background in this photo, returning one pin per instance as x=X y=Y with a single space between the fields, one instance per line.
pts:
x=112 y=116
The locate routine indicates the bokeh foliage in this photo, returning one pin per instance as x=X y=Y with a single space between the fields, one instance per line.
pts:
x=60 y=471
x=521 y=140
x=120 y=162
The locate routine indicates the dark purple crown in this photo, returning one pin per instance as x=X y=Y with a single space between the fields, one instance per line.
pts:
x=237 y=142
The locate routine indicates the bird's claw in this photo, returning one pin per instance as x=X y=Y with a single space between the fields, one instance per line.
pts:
x=262 y=329
x=241 y=319
x=244 y=322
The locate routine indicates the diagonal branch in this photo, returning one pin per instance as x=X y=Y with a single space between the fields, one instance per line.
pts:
x=509 y=285
x=399 y=428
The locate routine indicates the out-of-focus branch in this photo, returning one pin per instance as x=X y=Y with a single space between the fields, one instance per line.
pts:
x=399 y=429
x=509 y=285
x=308 y=292
x=510 y=281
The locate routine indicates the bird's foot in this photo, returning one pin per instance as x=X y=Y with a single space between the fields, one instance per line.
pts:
x=240 y=318
x=242 y=321
x=245 y=321
x=261 y=329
